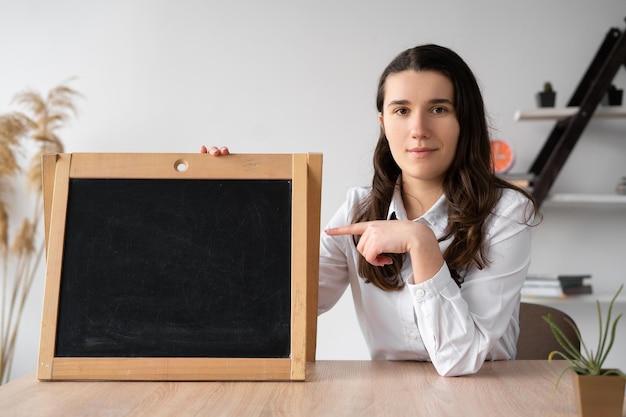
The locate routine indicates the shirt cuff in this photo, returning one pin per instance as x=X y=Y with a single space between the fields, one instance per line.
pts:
x=431 y=287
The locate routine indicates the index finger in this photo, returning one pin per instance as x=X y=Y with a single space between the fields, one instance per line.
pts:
x=350 y=229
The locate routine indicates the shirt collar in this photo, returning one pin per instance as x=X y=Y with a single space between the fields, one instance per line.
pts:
x=436 y=217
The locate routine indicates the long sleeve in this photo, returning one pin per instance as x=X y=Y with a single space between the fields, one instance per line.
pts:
x=334 y=266
x=463 y=328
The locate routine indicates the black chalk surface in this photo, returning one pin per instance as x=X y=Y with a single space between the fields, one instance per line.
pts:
x=176 y=268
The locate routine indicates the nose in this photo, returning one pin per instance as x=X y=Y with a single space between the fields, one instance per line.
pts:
x=419 y=126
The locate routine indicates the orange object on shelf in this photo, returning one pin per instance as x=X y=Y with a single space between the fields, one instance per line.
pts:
x=502 y=156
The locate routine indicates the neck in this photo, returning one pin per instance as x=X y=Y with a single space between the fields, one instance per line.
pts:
x=419 y=198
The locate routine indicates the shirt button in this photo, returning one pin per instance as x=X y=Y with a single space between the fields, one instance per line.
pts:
x=420 y=293
x=413 y=335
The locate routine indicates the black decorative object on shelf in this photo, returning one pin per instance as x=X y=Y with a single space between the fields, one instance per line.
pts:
x=547 y=97
x=613 y=96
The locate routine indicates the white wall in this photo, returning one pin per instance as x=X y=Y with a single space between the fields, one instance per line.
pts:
x=290 y=76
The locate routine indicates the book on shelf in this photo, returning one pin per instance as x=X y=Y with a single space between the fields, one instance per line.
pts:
x=556 y=285
x=562 y=279
x=556 y=292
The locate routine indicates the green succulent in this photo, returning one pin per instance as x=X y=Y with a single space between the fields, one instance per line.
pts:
x=584 y=361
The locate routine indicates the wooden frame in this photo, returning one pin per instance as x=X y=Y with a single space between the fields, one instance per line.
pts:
x=304 y=170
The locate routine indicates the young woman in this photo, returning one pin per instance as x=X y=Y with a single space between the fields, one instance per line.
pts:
x=436 y=250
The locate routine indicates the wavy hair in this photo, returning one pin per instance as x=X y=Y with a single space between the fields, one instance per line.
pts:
x=470 y=185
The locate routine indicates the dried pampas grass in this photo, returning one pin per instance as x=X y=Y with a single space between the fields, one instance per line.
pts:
x=33 y=131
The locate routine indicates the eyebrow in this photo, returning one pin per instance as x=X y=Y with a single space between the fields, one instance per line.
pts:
x=403 y=102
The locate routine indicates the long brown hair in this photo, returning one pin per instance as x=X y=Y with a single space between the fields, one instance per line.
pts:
x=471 y=187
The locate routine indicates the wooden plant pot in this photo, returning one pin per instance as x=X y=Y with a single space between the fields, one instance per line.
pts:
x=599 y=396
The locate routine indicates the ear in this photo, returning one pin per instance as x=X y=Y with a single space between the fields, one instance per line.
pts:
x=380 y=120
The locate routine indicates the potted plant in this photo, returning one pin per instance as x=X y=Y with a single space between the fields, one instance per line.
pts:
x=547 y=97
x=599 y=391
x=613 y=96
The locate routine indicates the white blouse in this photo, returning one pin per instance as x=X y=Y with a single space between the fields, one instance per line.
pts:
x=457 y=329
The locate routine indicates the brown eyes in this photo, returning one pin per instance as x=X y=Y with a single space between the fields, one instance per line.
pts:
x=402 y=111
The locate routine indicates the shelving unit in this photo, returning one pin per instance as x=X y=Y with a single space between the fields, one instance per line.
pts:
x=564 y=113
x=576 y=299
x=576 y=199
x=569 y=124
x=586 y=200
x=572 y=120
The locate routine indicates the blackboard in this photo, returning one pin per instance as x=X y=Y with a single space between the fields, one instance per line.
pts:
x=168 y=266
x=143 y=276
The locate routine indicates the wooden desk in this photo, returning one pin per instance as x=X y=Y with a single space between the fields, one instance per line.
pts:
x=333 y=388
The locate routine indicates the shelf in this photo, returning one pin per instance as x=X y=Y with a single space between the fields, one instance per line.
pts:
x=575 y=299
x=564 y=112
x=585 y=200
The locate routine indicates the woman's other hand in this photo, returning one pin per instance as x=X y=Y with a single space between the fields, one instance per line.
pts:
x=214 y=150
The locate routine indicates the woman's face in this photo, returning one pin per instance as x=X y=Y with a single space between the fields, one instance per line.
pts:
x=420 y=123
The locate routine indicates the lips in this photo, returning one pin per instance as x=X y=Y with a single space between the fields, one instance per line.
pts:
x=421 y=152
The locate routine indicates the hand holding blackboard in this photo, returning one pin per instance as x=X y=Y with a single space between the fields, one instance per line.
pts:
x=214 y=150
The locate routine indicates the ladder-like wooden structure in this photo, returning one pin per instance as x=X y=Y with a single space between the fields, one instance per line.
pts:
x=588 y=95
